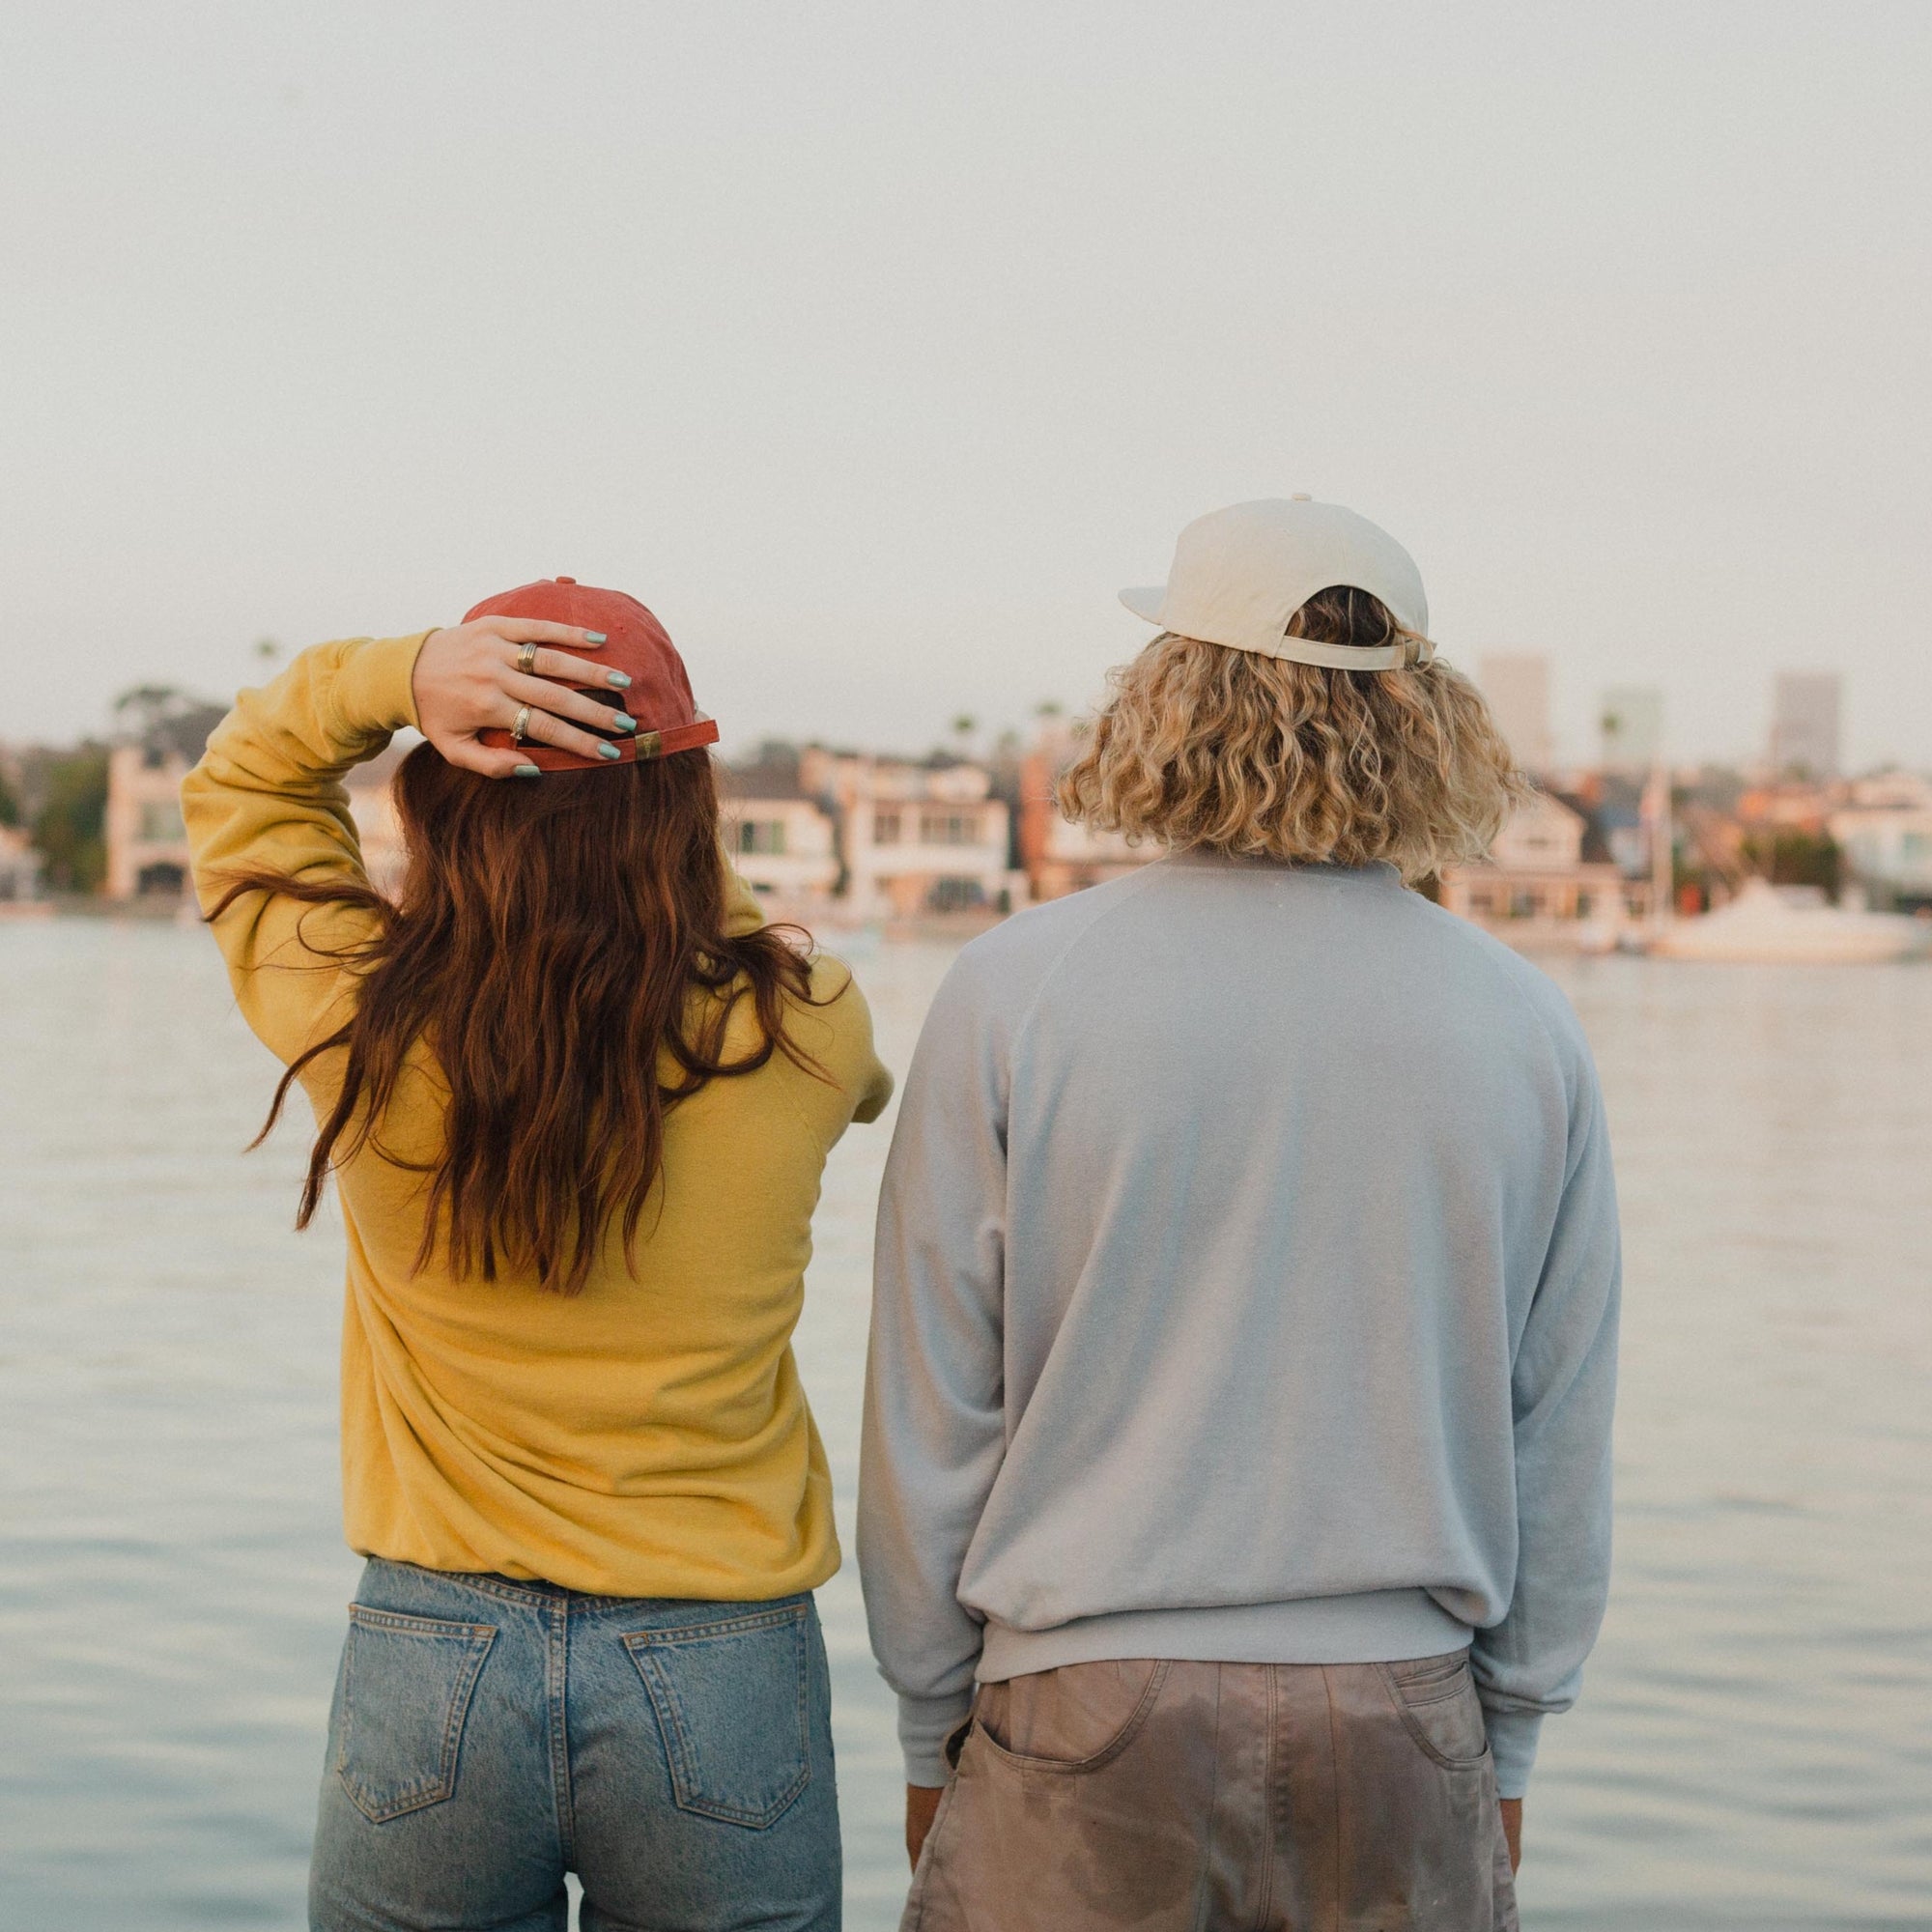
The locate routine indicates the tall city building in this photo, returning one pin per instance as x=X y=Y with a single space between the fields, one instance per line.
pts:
x=1517 y=685
x=1804 y=723
x=1631 y=721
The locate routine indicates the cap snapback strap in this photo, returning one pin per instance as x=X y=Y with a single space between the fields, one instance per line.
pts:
x=1409 y=652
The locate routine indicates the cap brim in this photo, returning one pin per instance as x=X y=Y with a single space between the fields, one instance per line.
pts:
x=1148 y=601
x=638 y=748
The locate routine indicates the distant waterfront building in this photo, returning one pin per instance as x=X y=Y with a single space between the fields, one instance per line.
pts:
x=783 y=843
x=19 y=868
x=1795 y=806
x=1517 y=686
x=1061 y=857
x=915 y=836
x=1804 y=724
x=1630 y=725
x=1885 y=831
x=1540 y=875
x=147 y=842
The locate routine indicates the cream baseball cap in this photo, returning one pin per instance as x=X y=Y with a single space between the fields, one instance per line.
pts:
x=1240 y=574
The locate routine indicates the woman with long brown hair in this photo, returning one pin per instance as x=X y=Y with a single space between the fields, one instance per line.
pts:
x=575 y=1099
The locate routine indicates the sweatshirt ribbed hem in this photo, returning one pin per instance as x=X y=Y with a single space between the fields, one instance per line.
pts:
x=1376 y=1626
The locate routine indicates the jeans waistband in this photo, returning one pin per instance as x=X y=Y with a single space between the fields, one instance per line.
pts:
x=537 y=1594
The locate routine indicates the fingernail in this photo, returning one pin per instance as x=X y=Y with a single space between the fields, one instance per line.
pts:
x=618 y=681
x=595 y=638
x=526 y=772
x=609 y=752
x=620 y=723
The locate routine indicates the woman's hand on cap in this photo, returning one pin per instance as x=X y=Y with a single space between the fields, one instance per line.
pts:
x=467 y=680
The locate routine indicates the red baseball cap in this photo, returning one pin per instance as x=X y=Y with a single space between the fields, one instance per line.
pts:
x=659 y=696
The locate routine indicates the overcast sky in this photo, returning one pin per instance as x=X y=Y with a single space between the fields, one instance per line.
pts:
x=875 y=346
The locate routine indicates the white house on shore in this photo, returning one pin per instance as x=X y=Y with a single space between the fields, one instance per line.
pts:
x=914 y=837
x=1537 y=876
x=1885 y=829
x=782 y=842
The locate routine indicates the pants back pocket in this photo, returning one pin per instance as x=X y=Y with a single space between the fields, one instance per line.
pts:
x=732 y=1699
x=1436 y=1698
x=405 y=1688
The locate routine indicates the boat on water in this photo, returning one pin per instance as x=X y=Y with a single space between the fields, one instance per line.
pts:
x=1793 y=926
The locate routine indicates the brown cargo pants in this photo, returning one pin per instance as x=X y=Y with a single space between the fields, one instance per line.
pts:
x=1221 y=1798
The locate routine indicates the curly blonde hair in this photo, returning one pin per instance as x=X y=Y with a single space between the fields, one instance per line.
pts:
x=1201 y=745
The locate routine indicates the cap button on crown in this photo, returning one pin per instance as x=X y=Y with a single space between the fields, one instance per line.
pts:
x=565 y=579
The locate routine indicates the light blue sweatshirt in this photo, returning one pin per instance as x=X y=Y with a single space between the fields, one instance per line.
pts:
x=1247 y=1290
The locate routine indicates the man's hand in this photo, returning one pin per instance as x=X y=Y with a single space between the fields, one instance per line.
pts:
x=1512 y=1810
x=922 y=1808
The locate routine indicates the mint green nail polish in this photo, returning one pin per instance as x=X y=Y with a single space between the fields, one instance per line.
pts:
x=595 y=638
x=618 y=681
x=620 y=723
x=528 y=772
x=609 y=752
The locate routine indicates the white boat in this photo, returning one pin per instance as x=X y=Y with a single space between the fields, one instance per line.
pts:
x=1793 y=926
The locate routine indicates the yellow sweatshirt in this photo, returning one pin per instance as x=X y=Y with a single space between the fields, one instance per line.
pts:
x=647 y=1437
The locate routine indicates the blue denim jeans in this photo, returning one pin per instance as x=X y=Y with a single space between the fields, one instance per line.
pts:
x=489 y=1736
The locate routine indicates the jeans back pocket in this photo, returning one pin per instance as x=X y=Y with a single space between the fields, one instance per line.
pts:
x=732 y=1699
x=405 y=1688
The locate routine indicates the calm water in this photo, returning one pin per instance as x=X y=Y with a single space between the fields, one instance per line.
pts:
x=1754 y=1749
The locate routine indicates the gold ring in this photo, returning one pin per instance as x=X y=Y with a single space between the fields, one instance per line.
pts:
x=527 y=659
x=520 y=724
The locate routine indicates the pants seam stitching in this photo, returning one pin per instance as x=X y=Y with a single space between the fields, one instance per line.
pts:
x=1335 y=1797
x=557 y=1644
x=1203 y=1897
x=1271 y=1797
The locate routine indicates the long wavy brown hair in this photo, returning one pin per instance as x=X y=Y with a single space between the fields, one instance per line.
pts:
x=560 y=948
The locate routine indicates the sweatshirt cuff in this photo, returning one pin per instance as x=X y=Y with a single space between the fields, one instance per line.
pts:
x=1513 y=1736
x=375 y=691
x=925 y=1725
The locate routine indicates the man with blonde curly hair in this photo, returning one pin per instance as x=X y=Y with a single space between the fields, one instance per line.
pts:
x=1236 y=1493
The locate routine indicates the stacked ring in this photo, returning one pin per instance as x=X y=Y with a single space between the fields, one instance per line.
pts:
x=527 y=659
x=521 y=724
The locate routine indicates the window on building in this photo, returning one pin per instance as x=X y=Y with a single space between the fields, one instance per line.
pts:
x=762 y=837
x=885 y=827
x=948 y=827
x=161 y=822
x=955 y=894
